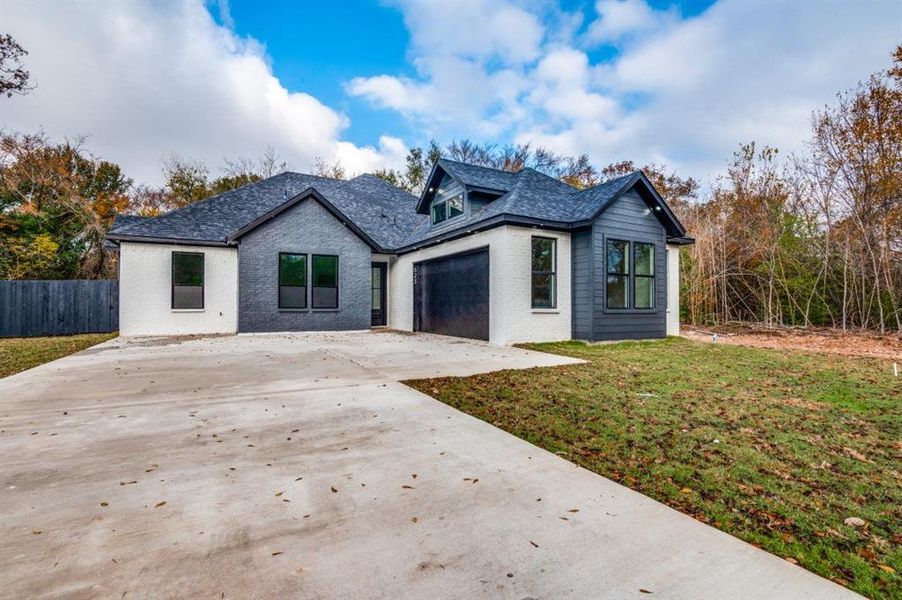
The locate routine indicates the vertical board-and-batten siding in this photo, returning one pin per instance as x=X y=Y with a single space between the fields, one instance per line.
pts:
x=307 y=228
x=629 y=219
x=64 y=307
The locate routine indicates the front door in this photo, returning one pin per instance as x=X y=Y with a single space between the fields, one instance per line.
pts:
x=378 y=294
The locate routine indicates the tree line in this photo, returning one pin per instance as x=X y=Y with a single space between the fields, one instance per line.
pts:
x=813 y=239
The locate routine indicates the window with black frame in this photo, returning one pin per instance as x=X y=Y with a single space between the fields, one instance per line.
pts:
x=292 y=280
x=544 y=272
x=187 y=280
x=643 y=275
x=618 y=273
x=447 y=209
x=325 y=281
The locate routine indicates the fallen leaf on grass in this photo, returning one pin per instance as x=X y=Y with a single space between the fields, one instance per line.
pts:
x=855 y=454
x=886 y=568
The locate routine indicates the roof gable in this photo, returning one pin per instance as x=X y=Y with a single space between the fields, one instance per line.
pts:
x=472 y=177
x=382 y=213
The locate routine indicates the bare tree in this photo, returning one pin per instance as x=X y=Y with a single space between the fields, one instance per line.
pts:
x=14 y=79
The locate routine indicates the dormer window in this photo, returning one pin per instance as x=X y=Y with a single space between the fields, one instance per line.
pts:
x=443 y=210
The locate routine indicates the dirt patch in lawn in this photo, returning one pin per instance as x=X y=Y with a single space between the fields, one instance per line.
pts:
x=831 y=341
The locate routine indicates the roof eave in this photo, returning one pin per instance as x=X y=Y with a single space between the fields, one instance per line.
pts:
x=149 y=239
x=422 y=204
x=490 y=223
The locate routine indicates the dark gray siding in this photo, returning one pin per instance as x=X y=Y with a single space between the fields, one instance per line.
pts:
x=581 y=277
x=30 y=308
x=629 y=219
x=307 y=228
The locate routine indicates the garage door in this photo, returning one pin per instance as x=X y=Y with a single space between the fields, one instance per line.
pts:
x=451 y=295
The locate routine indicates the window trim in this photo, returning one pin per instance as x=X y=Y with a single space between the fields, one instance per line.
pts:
x=306 y=285
x=636 y=275
x=623 y=274
x=552 y=273
x=202 y=286
x=336 y=286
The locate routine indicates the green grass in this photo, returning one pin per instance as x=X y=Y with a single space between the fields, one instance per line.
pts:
x=803 y=441
x=18 y=354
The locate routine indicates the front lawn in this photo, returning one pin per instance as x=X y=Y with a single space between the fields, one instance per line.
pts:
x=18 y=354
x=778 y=448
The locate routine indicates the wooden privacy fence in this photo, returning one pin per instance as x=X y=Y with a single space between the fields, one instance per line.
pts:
x=31 y=308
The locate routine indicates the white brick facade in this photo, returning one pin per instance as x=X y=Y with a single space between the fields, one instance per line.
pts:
x=673 y=290
x=145 y=302
x=511 y=316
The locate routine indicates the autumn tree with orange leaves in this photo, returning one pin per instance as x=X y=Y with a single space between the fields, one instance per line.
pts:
x=56 y=204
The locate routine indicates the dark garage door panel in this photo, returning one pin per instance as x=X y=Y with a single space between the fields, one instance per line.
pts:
x=452 y=295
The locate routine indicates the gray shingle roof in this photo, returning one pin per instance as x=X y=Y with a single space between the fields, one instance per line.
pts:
x=481 y=177
x=534 y=196
x=382 y=212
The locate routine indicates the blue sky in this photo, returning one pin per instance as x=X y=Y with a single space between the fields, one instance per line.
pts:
x=680 y=84
x=357 y=38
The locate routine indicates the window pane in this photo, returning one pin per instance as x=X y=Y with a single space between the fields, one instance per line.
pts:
x=292 y=297
x=542 y=290
x=377 y=299
x=645 y=291
x=187 y=269
x=325 y=271
x=617 y=257
x=438 y=213
x=293 y=269
x=187 y=296
x=617 y=287
x=325 y=297
x=542 y=254
x=455 y=206
x=645 y=259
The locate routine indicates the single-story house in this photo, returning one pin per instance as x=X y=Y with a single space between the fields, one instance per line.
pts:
x=481 y=253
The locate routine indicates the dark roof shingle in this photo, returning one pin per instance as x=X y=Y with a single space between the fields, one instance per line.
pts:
x=382 y=211
x=385 y=214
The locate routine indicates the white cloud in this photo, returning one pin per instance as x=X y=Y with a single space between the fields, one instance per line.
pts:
x=148 y=80
x=473 y=30
x=685 y=91
x=621 y=18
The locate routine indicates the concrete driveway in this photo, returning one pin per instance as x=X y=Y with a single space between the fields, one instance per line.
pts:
x=279 y=466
